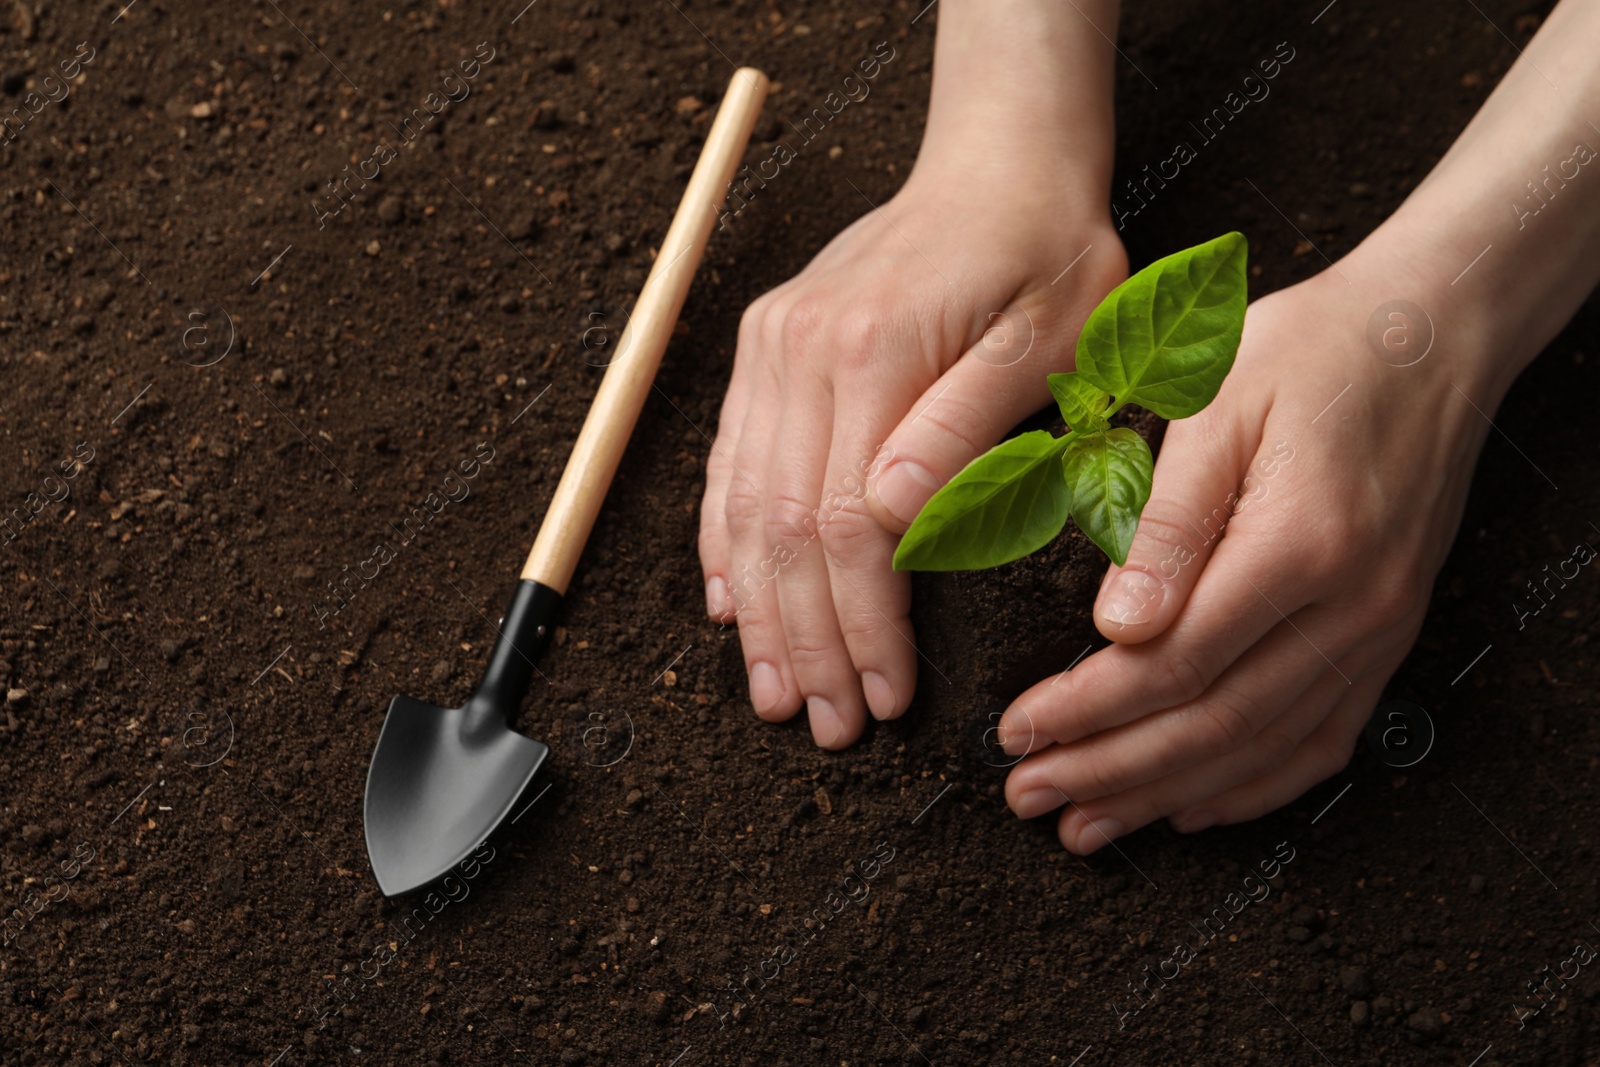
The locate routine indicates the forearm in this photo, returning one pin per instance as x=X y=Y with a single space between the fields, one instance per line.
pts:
x=1520 y=188
x=1026 y=79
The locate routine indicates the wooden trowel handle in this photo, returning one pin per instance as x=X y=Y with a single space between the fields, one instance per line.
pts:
x=632 y=371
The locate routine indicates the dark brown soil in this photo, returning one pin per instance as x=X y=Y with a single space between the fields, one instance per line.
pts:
x=186 y=733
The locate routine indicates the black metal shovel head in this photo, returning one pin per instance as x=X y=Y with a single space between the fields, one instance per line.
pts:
x=441 y=781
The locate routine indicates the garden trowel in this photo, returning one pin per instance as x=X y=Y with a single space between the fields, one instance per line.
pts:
x=442 y=779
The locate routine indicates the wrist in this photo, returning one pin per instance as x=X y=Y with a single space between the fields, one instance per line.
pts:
x=1410 y=272
x=1499 y=239
x=1022 y=91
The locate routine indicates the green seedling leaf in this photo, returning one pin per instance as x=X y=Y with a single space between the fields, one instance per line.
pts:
x=1166 y=337
x=1108 y=475
x=1083 y=404
x=1008 y=502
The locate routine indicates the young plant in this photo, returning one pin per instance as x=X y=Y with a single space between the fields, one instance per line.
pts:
x=1164 y=339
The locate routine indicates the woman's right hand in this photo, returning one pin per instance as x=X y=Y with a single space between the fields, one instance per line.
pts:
x=911 y=344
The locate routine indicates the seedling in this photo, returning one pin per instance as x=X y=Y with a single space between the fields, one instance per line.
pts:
x=1164 y=340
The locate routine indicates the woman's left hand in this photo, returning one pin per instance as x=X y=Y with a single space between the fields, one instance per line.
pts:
x=1244 y=666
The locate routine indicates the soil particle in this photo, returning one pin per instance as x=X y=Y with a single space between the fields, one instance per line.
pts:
x=524 y=226
x=26 y=22
x=1426 y=1023
x=196 y=734
x=1356 y=982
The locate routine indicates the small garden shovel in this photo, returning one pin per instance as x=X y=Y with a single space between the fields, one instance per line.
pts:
x=442 y=779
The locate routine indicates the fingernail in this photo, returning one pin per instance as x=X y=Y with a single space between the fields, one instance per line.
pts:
x=1132 y=597
x=904 y=488
x=826 y=726
x=766 y=688
x=1014 y=737
x=1188 y=823
x=880 y=696
x=1099 y=833
x=717 y=598
x=1036 y=802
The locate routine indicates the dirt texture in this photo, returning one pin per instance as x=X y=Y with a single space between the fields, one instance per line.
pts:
x=221 y=396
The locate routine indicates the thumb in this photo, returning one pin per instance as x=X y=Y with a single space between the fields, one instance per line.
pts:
x=1194 y=492
x=959 y=417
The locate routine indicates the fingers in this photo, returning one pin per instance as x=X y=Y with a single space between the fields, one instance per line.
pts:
x=716 y=541
x=1236 y=602
x=822 y=666
x=871 y=601
x=1087 y=826
x=959 y=417
x=1253 y=693
x=722 y=468
x=754 y=558
x=1325 y=753
x=1192 y=498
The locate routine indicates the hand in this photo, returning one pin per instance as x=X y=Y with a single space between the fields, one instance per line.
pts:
x=907 y=347
x=913 y=342
x=1279 y=575
x=1245 y=665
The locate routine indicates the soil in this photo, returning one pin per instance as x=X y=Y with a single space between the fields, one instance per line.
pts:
x=250 y=403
